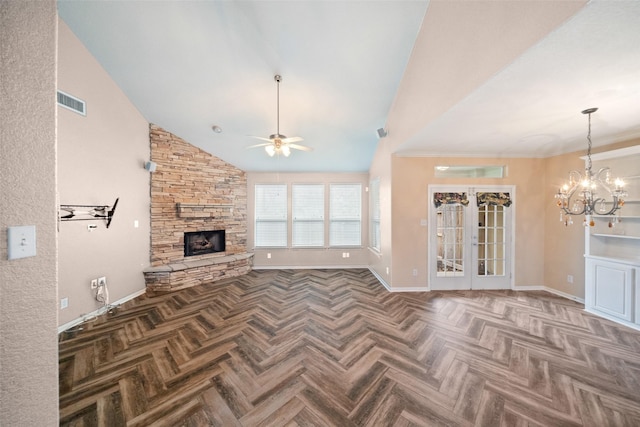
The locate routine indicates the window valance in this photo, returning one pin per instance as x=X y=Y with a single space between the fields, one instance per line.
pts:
x=450 y=199
x=493 y=199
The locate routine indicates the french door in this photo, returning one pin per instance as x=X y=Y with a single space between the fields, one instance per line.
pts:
x=470 y=237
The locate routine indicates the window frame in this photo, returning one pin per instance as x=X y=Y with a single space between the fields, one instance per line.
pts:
x=374 y=215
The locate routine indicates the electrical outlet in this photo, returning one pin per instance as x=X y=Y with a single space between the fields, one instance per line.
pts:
x=102 y=281
x=94 y=283
x=347 y=254
x=415 y=272
x=570 y=278
x=64 y=303
x=268 y=255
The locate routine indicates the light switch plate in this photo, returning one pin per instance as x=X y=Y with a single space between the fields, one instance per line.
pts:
x=21 y=241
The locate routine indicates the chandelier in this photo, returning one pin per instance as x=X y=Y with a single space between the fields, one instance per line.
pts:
x=590 y=193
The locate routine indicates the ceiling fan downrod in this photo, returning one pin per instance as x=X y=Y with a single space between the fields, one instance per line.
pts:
x=278 y=79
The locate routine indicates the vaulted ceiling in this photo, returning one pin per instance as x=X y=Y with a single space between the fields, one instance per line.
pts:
x=467 y=78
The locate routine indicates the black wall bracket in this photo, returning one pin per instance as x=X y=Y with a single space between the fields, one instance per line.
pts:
x=88 y=212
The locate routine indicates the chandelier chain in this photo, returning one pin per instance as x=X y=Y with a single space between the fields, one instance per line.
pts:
x=589 y=146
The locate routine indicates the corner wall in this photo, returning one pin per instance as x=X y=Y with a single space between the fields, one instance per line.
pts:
x=100 y=158
x=28 y=300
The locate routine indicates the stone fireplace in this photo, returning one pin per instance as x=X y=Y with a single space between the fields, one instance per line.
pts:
x=198 y=216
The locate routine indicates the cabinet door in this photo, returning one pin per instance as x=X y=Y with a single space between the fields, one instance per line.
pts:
x=610 y=288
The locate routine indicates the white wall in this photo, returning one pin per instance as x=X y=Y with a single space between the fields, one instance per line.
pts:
x=100 y=158
x=307 y=257
x=28 y=336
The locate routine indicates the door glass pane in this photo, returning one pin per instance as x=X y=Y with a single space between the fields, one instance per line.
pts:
x=450 y=238
x=491 y=241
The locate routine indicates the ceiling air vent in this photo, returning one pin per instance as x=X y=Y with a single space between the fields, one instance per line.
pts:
x=72 y=103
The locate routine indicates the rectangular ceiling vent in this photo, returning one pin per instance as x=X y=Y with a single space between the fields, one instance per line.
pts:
x=72 y=103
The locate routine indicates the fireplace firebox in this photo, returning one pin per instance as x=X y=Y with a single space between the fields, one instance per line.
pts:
x=203 y=242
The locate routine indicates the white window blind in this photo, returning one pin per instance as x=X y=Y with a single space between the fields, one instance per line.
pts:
x=271 y=215
x=374 y=203
x=307 y=204
x=345 y=212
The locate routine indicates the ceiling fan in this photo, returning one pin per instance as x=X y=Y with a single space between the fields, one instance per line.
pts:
x=277 y=143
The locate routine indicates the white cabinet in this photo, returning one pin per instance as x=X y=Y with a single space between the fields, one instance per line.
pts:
x=612 y=288
x=612 y=246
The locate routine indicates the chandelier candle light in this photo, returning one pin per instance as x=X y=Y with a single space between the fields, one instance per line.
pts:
x=590 y=193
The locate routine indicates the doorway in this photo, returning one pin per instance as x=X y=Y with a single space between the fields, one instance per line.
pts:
x=470 y=237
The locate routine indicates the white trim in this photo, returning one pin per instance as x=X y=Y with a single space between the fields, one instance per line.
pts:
x=564 y=295
x=99 y=311
x=308 y=267
x=613 y=319
x=550 y=290
x=472 y=190
x=621 y=152
x=529 y=288
x=410 y=290
x=380 y=279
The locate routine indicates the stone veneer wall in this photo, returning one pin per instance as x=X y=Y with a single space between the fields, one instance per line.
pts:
x=192 y=190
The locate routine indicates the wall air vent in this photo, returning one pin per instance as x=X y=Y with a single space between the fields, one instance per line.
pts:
x=72 y=103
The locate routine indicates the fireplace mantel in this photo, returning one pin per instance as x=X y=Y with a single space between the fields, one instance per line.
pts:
x=188 y=210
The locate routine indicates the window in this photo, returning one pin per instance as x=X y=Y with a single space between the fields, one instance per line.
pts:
x=271 y=215
x=344 y=214
x=443 y=171
x=374 y=203
x=307 y=204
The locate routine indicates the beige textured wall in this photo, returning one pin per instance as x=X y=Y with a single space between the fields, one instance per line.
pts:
x=100 y=158
x=28 y=336
x=307 y=257
x=411 y=178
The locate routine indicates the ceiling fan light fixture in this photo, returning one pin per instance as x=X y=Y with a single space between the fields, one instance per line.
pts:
x=270 y=149
x=278 y=143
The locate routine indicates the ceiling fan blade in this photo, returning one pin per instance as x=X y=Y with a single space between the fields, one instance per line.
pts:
x=300 y=147
x=259 y=145
x=260 y=137
x=292 y=139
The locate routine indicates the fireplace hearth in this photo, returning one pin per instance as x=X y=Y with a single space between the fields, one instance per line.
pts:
x=203 y=242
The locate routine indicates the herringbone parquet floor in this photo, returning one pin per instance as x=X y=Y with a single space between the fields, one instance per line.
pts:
x=334 y=348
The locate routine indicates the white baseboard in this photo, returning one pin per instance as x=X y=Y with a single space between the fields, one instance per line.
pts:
x=307 y=267
x=529 y=288
x=380 y=279
x=564 y=295
x=99 y=311
x=550 y=290
x=420 y=289
x=613 y=319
